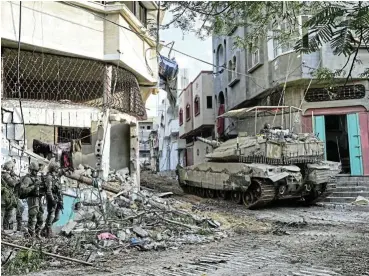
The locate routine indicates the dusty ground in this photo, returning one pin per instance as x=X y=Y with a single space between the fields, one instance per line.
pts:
x=279 y=240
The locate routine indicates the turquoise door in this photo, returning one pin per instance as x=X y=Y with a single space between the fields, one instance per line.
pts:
x=319 y=130
x=353 y=130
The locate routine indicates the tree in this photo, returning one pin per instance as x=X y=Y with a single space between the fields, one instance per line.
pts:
x=344 y=25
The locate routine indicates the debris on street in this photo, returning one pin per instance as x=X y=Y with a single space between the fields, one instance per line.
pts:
x=360 y=200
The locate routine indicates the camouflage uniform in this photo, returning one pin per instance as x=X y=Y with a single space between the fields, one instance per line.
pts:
x=31 y=186
x=54 y=197
x=9 y=199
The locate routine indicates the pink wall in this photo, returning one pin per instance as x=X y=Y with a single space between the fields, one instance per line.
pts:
x=364 y=136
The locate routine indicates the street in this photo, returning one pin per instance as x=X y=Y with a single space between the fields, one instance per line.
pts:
x=275 y=241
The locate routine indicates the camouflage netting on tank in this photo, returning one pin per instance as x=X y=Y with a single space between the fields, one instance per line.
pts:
x=49 y=77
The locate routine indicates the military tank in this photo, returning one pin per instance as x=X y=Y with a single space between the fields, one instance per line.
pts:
x=258 y=169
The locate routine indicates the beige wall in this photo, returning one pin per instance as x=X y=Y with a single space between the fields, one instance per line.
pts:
x=199 y=151
x=203 y=87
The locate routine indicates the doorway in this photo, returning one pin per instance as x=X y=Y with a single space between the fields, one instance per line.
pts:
x=337 y=144
x=341 y=134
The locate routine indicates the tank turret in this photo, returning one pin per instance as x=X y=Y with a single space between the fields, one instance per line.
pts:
x=212 y=143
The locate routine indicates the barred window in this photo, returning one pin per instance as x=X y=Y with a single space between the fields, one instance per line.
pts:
x=335 y=93
x=65 y=134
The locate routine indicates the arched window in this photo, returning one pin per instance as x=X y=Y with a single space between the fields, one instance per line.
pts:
x=220 y=56
x=221 y=98
x=197 y=105
x=234 y=68
x=180 y=116
x=188 y=115
x=230 y=70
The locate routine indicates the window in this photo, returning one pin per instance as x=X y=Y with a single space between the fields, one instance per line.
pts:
x=336 y=93
x=281 y=48
x=255 y=57
x=138 y=9
x=209 y=102
x=230 y=69
x=180 y=117
x=188 y=115
x=148 y=127
x=197 y=105
x=234 y=73
x=198 y=152
x=220 y=57
x=142 y=14
x=65 y=134
x=207 y=150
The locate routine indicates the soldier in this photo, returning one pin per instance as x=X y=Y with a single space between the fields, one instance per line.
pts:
x=31 y=187
x=9 y=200
x=54 y=197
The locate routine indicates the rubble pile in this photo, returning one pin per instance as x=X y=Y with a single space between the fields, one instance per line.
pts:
x=160 y=182
x=127 y=221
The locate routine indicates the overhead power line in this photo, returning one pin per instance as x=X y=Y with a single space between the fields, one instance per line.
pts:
x=175 y=50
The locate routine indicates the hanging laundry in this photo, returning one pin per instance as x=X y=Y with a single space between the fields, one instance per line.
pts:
x=42 y=149
x=77 y=145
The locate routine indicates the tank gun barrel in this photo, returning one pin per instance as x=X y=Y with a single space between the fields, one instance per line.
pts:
x=212 y=143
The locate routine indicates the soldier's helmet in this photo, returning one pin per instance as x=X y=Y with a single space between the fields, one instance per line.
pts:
x=8 y=166
x=33 y=167
x=53 y=167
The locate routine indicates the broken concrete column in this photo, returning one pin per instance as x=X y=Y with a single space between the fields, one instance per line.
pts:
x=134 y=157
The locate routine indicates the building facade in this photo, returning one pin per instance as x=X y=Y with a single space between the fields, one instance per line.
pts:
x=197 y=117
x=144 y=129
x=83 y=79
x=272 y=74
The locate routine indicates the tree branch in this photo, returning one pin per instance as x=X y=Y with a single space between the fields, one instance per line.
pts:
x=355 y=56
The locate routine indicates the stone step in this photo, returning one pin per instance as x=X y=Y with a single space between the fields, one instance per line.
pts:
x=352 y=178
x=352 y=189
x=353 y=183
x=350 y=194
x=340 y=199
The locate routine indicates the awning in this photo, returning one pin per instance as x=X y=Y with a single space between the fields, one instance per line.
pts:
x=259 y=111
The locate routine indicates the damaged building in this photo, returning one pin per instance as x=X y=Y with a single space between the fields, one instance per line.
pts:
x=273 y=74
x=76 y=96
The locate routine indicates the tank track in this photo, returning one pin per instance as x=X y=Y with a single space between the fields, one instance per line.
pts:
x=264 y=192
x=267 y=194
x=331 y=186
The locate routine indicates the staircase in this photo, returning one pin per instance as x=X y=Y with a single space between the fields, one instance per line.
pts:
x=348 y=189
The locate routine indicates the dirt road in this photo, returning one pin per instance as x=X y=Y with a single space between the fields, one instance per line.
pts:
x=274 y=241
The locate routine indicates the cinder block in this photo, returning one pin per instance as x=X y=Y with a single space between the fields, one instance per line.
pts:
x=57 y=118
x=7 y=117
x=73 y=118
x=26 y=114
x=10 y=131
x=18 y=132
x=17 y=116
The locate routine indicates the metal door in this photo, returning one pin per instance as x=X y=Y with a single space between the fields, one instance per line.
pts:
x=353 y=129
x=319 y=130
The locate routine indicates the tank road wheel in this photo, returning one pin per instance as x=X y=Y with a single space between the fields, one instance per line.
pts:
x=222 y=194
x=210 y=193
x=256 y=190
x=237 y=197
x=201 y=192
x=247 y=198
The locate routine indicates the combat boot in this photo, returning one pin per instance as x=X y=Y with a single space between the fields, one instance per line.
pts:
x=19 y=226
x=49 y=232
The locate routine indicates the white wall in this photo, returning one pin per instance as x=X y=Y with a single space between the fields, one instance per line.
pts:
x=58 y=27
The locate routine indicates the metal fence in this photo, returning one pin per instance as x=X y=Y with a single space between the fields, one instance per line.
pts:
x=49 y=77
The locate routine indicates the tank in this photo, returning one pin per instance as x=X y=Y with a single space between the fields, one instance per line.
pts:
x=256 y=170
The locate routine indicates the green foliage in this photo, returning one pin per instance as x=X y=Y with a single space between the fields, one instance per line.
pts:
x=24 y=262
x=342 y=24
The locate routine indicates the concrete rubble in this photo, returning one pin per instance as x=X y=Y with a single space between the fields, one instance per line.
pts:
x=105 y=223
